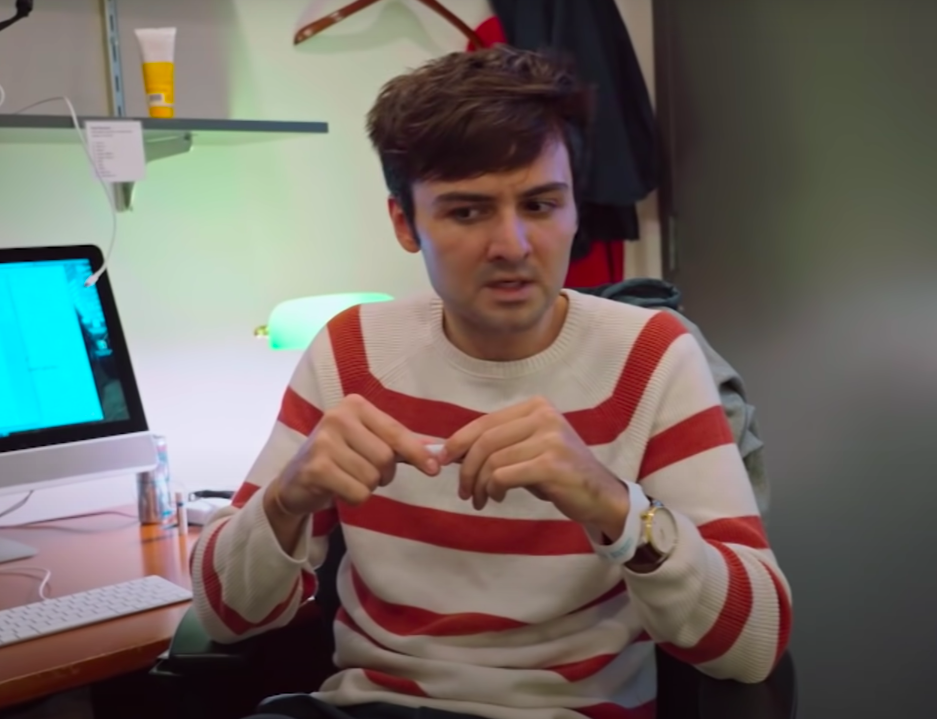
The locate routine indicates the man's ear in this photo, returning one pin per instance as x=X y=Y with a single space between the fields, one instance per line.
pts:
x=402 y=227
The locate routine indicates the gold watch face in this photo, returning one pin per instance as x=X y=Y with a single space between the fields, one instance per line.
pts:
x=662 y=531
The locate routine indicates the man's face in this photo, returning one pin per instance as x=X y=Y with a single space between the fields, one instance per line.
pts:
x=497 y=246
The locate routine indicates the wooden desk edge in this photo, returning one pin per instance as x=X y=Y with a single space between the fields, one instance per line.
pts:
x=65 y=678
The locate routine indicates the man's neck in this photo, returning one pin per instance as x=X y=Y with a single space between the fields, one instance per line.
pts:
x=508 y=346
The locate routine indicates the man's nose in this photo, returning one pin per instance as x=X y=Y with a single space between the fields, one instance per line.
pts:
x=509 y=240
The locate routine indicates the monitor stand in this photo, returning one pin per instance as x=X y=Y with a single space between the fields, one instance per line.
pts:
x=10 y=551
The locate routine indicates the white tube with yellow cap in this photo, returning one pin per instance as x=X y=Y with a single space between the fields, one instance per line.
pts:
x=158 y=50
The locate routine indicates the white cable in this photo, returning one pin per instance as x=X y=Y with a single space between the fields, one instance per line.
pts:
x=10 y=510
x=46 y=576
x=107 y=190
x=54 y=521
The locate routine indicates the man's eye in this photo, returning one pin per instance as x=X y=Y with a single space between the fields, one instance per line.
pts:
x=465 y=214
x=540 y=207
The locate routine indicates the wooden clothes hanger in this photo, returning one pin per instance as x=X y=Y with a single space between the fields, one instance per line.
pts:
x=323 y=23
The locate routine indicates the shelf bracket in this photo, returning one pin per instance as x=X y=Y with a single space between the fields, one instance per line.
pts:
x=115 y=70
x=155 y=149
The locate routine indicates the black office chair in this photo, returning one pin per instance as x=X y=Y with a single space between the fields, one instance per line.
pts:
x=200 y=679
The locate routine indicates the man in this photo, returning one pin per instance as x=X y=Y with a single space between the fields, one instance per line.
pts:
x=584 y=499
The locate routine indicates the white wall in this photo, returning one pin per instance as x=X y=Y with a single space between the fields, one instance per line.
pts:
x=219 y=236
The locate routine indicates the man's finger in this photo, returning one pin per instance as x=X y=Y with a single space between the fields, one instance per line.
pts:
x=527 y=474
x=344 y=486
x=514 y=454
x=366 y=443
x=497 y=438
x=406 y=445
x=357 y=467
x=456 y=447
x=353 y=493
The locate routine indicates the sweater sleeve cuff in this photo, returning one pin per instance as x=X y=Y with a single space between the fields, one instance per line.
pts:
x=623 y=548
x=255 y=517
x=682 y=574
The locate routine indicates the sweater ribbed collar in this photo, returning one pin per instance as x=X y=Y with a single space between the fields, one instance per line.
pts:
x=569 y=338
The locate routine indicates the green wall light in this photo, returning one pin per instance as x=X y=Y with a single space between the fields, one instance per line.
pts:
x=294 y=323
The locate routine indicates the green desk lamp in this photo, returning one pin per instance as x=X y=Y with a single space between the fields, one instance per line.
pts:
x=294 y=323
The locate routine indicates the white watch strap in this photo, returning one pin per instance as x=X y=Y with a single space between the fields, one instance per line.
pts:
x=627 y=544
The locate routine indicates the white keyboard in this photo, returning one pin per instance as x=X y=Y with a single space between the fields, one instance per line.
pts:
x=59 y=614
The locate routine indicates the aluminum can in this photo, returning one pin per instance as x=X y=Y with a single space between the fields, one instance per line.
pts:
x=154 y=496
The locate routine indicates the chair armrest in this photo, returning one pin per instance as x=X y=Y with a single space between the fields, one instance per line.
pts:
x=193 y=657
x=684 y=691
x=191 y=649
x=200 y=678
x=774 y=698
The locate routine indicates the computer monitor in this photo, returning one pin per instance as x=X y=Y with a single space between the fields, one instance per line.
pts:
x=70 y=409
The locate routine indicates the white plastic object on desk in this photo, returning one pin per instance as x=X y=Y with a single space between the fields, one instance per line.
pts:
x=200 y=511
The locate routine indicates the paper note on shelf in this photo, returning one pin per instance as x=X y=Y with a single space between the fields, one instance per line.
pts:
x=116 y=148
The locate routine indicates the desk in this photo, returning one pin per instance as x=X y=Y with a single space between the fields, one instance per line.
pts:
x=83 y=554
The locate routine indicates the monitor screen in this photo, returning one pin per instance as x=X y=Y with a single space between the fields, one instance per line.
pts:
x=65 y=373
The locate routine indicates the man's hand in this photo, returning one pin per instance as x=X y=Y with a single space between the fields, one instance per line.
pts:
x=531 y=445
x=354 y=449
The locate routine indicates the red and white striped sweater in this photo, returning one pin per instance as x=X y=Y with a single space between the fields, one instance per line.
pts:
x=508 y=612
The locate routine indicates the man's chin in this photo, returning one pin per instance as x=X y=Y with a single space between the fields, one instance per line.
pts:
x=511 y=320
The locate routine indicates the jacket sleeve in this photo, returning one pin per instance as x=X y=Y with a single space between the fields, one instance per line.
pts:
x=720 y=600
x=243 y=582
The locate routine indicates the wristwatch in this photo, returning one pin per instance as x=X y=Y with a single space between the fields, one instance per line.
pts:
x=658 y=536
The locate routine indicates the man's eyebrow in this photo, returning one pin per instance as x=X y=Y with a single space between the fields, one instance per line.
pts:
x=462 y=196
x=544 y=189
x=459 y=196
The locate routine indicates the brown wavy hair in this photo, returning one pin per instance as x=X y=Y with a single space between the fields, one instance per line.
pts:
x=468 y=114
